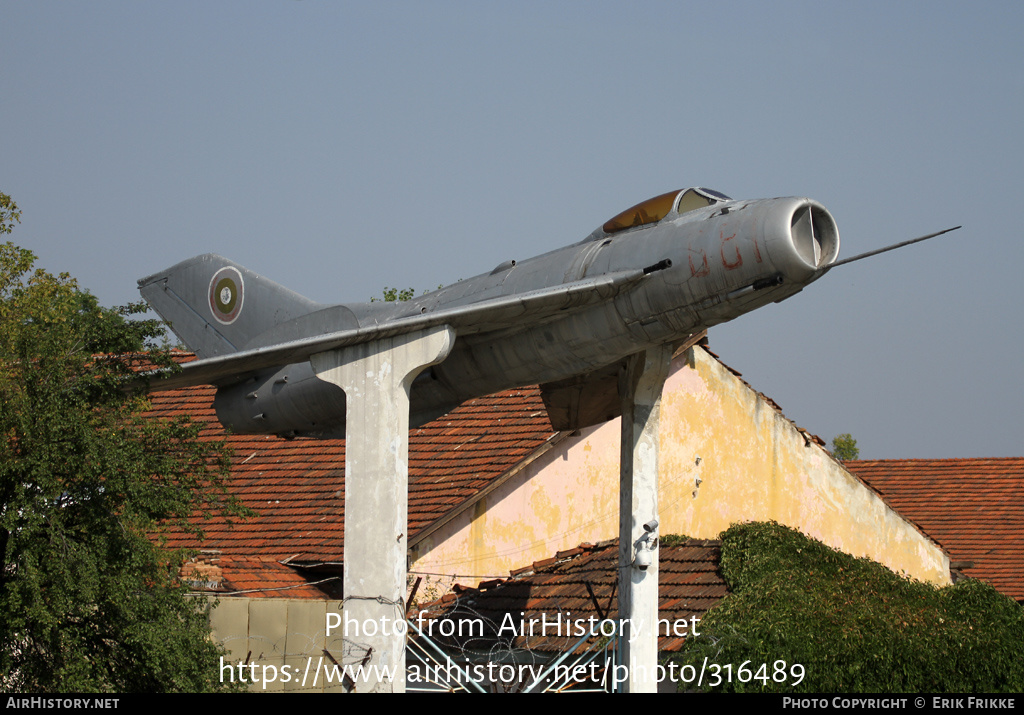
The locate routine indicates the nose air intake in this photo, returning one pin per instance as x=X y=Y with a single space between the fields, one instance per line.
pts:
x=814 y=235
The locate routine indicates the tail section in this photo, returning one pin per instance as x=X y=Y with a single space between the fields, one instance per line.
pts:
x=218 y=307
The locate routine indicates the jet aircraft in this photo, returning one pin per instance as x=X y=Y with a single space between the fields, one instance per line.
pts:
x=657 y=273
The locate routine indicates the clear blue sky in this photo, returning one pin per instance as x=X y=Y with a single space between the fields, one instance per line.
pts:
x=340 y=147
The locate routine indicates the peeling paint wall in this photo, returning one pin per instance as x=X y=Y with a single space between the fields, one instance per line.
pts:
x=727 y=455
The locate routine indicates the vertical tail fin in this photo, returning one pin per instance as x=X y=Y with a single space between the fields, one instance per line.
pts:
x=216 y=306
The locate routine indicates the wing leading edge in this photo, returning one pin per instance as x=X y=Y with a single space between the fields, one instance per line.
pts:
x=507 y=312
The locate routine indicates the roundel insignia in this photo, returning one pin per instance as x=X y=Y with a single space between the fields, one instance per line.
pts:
x=226 y=293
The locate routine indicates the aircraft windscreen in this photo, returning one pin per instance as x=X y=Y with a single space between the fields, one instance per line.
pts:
x=693 y=199
x=645 y=212
x=653 y=210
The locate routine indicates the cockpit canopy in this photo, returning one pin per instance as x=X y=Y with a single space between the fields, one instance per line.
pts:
x=653 y=210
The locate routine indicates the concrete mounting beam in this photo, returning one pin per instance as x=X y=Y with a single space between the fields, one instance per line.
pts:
x=640 y=387
x=376 y=378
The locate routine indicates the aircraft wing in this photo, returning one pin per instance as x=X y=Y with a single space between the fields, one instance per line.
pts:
x=507 y=312
x=593 y=397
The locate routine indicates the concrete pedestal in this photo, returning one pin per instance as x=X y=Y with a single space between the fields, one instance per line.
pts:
x=640 y=387
x=376 y=378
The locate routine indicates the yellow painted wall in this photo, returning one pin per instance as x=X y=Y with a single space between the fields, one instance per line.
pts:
x=754 y=465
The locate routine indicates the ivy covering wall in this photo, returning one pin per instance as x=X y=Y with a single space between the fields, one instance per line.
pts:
x=853 y=625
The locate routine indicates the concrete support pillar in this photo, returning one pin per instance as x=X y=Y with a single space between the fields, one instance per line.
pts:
x=640 y=386
x=376 y=378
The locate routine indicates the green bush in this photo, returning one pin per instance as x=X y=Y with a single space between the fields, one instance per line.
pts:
x=852 y=624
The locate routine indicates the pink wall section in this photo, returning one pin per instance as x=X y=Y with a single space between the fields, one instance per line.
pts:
x=753 y=464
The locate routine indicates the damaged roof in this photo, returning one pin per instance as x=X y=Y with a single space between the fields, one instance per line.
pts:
x=580 y=584
x=256 y=577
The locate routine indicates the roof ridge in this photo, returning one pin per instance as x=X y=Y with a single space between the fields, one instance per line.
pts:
x=935 y=459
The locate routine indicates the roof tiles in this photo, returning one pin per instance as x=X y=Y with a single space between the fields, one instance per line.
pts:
x=582 y=586
x=297 y=486
x=973 y=508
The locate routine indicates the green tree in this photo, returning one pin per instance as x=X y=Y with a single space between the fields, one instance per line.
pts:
x=89 y=603
x=393 y=295
x=396 y=295
x=844 y=447
x=9 y=214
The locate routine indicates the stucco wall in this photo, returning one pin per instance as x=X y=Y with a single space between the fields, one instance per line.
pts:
x=753 y=465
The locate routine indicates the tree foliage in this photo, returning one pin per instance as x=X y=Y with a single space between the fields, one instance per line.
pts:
x=398 y=295
x=844 y=447
x=395 y=295
x=88 y=602
x=852 y=624
x=9 y=214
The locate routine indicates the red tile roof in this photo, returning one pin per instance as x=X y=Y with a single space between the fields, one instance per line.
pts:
x=452 y=458
x=973 y=508
x=582 y=583
x=297 y=486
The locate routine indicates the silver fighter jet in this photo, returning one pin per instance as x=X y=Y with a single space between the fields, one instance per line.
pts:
x=655 y=274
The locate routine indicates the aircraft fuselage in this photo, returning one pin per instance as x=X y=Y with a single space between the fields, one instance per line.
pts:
x=676 y=276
